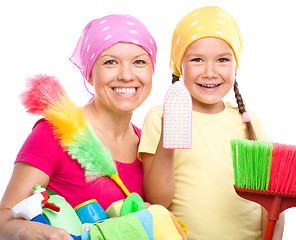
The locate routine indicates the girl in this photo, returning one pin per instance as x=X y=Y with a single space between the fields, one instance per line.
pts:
x=197 y=184
x=116 y=54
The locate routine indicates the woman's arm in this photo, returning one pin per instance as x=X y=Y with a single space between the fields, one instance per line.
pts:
x=279 y=227
x=23 y=178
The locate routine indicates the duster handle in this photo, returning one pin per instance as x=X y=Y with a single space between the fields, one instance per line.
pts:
x=118 y=181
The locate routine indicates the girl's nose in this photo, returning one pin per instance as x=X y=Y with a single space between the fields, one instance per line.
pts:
x=210 y=71
x=125 y=73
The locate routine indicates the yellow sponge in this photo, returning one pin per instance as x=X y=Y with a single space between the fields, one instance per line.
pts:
x=114 y=209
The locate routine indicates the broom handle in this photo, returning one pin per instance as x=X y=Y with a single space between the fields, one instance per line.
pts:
x=269 y=230
x=273 y=216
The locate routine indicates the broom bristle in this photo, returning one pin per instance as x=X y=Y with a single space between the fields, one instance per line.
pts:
x=251 y=163
x=260 y=165
x=283 y=169
x=41 y=92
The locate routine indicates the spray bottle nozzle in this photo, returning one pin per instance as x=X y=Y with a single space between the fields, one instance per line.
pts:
x=51 y=206
x=46 y=196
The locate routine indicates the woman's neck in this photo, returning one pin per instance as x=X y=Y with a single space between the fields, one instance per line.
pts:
x=115 y=131
x=106 y=121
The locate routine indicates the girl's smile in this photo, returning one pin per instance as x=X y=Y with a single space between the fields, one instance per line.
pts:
x=209 y=87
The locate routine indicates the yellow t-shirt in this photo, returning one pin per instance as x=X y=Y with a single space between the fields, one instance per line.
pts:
x=204 y=198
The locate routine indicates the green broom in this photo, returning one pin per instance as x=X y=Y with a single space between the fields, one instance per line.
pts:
x=265 y=173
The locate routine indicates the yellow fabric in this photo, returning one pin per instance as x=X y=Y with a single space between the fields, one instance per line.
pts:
x=163 y=225
x=204 y=198
x=209 y=21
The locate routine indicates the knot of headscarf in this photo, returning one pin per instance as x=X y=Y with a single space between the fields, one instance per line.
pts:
x=208 y=21
x=100 y=34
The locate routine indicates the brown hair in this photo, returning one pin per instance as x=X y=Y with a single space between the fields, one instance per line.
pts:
x=175 y=78
x=250 y=133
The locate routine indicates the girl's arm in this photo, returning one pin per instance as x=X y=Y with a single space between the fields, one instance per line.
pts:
x=279 y=227
x=159 y=175
x=23 y=178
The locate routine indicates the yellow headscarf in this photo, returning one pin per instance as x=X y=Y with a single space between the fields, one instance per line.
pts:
x=204 y=22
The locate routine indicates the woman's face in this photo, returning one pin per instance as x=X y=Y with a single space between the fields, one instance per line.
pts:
x=122 y=77
x=208 y=68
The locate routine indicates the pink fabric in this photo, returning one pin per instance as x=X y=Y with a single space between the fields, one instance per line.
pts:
x=102 y=33
x=67 y=177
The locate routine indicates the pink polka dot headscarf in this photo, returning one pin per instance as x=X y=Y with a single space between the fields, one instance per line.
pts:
x=102 y=33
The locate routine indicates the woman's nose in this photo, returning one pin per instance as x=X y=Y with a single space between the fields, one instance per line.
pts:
x=125 y=73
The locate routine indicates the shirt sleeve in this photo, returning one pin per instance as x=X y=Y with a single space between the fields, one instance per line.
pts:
x=151 y=131
x=41 y=149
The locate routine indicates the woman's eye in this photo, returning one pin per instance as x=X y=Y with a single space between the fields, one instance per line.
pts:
x=110 y=62
x=140 y=62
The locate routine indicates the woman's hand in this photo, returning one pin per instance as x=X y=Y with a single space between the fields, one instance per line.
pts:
x=20 y=186
x=41 y=231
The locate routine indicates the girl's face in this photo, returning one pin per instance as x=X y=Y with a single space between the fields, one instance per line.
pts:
x=208 y=68
x=122 y=77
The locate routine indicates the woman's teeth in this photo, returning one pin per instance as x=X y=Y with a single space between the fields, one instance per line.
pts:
x=125 y=90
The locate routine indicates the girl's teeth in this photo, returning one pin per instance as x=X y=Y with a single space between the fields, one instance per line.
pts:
x=125 y=90
x=209 y=85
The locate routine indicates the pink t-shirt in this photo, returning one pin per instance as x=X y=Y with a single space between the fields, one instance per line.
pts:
x=67 y=179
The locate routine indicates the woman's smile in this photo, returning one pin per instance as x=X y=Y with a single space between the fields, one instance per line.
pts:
x=125 y=90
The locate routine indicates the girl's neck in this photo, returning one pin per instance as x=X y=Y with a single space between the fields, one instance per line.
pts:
x=207 y=108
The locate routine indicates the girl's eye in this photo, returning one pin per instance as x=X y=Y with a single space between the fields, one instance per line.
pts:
x=110 y=62
x=222 y=60
x=196 y=60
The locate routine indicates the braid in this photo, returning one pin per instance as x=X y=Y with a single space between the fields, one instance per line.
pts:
x=175 y=78
x=241 y=108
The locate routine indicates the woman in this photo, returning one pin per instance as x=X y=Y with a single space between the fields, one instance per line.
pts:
x=116 y=54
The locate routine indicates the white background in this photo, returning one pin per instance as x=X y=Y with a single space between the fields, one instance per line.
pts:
x=39 y=36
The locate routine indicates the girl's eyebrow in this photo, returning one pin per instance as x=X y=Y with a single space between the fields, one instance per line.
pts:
x=194 y=55
x=198 y=55
x=226 y=54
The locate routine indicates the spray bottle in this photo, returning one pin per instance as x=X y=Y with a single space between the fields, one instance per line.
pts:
x=31 y=207
x=41 y=207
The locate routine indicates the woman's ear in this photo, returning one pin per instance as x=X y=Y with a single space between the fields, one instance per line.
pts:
x=90 y=80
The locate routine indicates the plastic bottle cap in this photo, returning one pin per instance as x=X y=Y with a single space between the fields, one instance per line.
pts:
x=37 y=186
